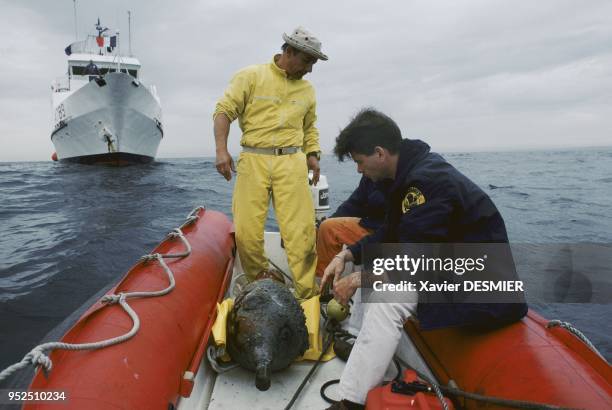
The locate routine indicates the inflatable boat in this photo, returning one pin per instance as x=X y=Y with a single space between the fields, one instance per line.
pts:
x=142 y=346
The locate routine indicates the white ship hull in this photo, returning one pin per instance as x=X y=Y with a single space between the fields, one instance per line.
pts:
x=115 y=120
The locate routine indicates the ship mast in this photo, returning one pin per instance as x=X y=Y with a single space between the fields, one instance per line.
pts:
x=130 y=32
x=118 y=54
x=100 y=28
x=76 y=31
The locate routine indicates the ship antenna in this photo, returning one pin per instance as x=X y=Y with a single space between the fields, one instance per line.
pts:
x=100 y=28
x=130 y=32
x=118 y=52
x=76 y=31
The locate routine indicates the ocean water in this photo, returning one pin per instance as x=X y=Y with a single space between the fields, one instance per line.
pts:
x=70 y=230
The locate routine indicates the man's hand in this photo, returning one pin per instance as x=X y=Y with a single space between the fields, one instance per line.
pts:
x=224 y=161
x=225 y=164
x=346 y=287
x=313 y=165
x=332 y=271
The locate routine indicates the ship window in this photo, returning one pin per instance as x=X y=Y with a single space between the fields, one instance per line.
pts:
x=76 y=70
x=133 y=73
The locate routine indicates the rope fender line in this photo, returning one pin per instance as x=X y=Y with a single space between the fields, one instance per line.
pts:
x=39 y=355
x=177 y=233
x=573 y=330
x=193 y=216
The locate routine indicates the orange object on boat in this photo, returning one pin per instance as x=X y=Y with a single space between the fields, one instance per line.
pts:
x=400 y=395
x=153 y=368
x=523 y=361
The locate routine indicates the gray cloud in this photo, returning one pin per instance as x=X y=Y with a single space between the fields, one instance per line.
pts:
x=469 y=75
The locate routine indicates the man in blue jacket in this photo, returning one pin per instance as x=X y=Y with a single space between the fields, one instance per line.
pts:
x=427 y=201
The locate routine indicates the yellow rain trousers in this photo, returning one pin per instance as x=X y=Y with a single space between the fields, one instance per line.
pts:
x=284 y=180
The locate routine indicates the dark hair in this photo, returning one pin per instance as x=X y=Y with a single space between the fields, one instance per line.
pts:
x=367 y=130
x=290 y=49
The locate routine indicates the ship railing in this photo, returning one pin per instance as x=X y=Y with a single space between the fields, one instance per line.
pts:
x=90 y=46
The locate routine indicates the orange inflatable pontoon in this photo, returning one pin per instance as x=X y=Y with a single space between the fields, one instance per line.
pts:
x=153 y=368
x=526 y=361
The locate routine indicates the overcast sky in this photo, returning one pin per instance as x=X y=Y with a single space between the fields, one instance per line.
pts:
x=462 y=75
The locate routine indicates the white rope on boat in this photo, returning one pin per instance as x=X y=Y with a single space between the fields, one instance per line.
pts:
x=39 y=356
x=568 y=326
x=439 y=395
x=214 y=353
x=192 y=217
x=433 y=385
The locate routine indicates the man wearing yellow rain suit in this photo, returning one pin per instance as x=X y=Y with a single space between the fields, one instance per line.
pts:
x=276 y=112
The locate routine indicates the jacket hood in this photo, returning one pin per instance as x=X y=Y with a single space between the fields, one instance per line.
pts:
x=411 y=153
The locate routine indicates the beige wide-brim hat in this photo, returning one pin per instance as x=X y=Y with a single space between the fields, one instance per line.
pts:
x=305 y=41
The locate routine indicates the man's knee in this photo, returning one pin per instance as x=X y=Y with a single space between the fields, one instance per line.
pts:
x=248 y=232
x=326 y=228
x=389 y=314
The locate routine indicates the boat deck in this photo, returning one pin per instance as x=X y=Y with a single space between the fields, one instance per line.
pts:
x=235 y=389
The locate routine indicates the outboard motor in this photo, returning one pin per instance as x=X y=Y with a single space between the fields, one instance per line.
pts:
x=320 y=196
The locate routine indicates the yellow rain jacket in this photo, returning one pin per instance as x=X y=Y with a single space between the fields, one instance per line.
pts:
x=272 y=110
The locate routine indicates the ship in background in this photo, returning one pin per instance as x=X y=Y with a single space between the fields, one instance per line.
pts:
x=104 y=114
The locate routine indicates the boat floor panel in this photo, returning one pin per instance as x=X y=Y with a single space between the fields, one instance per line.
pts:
x=236 y=389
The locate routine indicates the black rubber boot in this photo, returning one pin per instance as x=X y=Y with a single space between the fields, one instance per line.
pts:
x=343 y=349
x=346 y=405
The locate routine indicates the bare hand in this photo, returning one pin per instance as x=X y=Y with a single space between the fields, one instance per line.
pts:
x=313 y=165
x=332 y=272
x=346 y=287
x=225 y=164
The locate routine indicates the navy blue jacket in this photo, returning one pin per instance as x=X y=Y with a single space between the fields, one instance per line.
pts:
x=366 y=202
x=429 y=201
x=92 y=69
